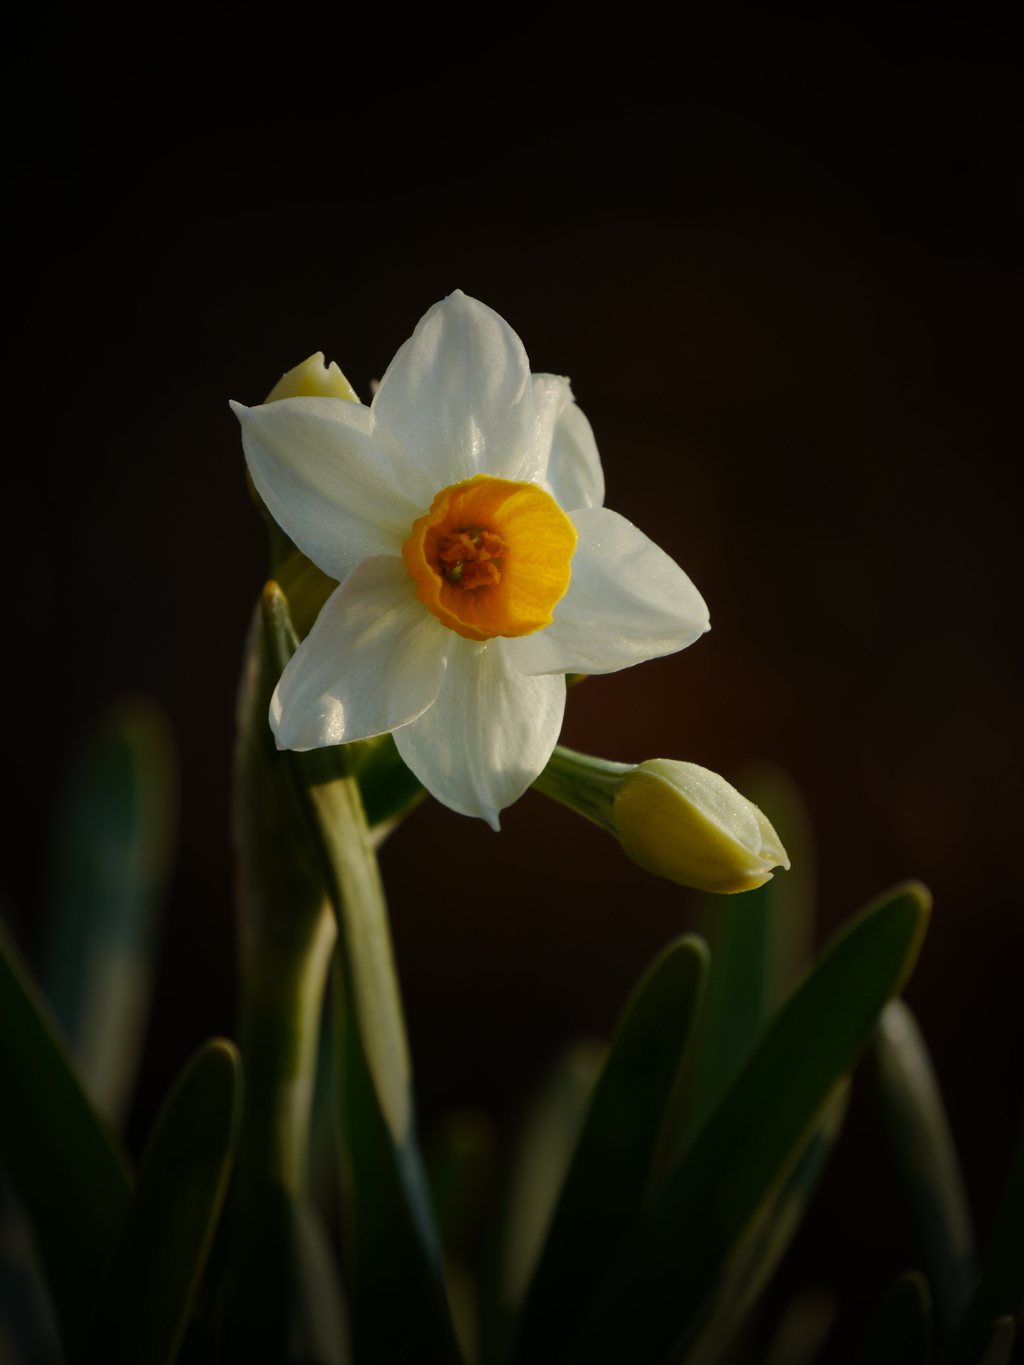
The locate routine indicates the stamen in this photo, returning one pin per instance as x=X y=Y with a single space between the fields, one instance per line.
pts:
x=479 y=575
x=467 y=558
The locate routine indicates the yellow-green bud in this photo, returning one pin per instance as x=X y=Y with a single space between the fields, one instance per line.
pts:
x=314 y=378
x=675 y=819
x=688 y=824
x=304 y=585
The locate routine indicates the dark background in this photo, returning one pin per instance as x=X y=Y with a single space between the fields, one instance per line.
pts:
x=777 y=258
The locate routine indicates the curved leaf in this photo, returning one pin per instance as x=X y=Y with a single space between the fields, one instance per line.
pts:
x=900 y=1331
x=1000 y=1347
x=761 y=944
x=152 y=1282
x=659 y=1293
x=1000 y=1290
x=111 y=862
x=758 y=1253
x=604 y=1188
x=69 y=1175
x=398 y=1301
x=926 y=1158
x=530 y=1185
x=460 y=1169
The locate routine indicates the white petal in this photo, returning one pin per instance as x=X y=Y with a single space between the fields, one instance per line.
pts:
x=374 y=660
x=326 y=480
x=489 y=733
x=458 y=397
x=574 y=472
x=627 y=601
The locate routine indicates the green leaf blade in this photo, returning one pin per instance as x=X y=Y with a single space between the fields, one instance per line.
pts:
x=659 y=1293
x=530 y=1181
x=69 y=1174
x=112 y=859
x=926 y=1159
x=398 y=1302
x=999 y=1292
x=761 y=944
x=605 y=1184
x=1000 y=1347
x=899 y=1333
x=763 y=1245
x=153 y=1280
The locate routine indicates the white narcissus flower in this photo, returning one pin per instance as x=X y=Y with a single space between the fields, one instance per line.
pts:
x=461 y=513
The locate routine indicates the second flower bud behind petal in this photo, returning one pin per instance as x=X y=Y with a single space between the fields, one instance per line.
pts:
x=686 y=823
x=314 y=378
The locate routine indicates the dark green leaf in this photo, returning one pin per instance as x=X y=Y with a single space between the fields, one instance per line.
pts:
x=152 y=1282
x=460 y=1168
x=605 y=1184
x=802 y=1330
x=900 y=1331
x=926 y=1158
x=762 y=1247
x=111 y=862
x=1000 y=1290
x=530 y=1185
x=68 y=1173
x=289 y=1304
x=398 y=1302
x=761 y=944
x=1000 y=1347
x=659 y=1293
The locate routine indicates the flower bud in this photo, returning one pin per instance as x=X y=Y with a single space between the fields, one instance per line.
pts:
x=688 y=824
x=675 y=819
x=313 y=379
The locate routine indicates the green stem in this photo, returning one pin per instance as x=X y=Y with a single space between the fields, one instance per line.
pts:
x=353 y=877
x=586 y=785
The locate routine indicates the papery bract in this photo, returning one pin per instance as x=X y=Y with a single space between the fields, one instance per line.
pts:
x=461 y=514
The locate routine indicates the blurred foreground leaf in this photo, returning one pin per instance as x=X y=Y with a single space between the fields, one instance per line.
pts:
x=152 y=1282
x=112 y=857
x=926 y=1158
x=69 y=1174
x=530 y=1186
x=999 y=1292
x=398 y=1301
x=899 y=1333
x=610 y=1170
x=460 y=1169
x=1000 y=1348
x=659 y=1293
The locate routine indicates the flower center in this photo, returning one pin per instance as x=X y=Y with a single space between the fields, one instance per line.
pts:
x=491 y=557
x=471 y=558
